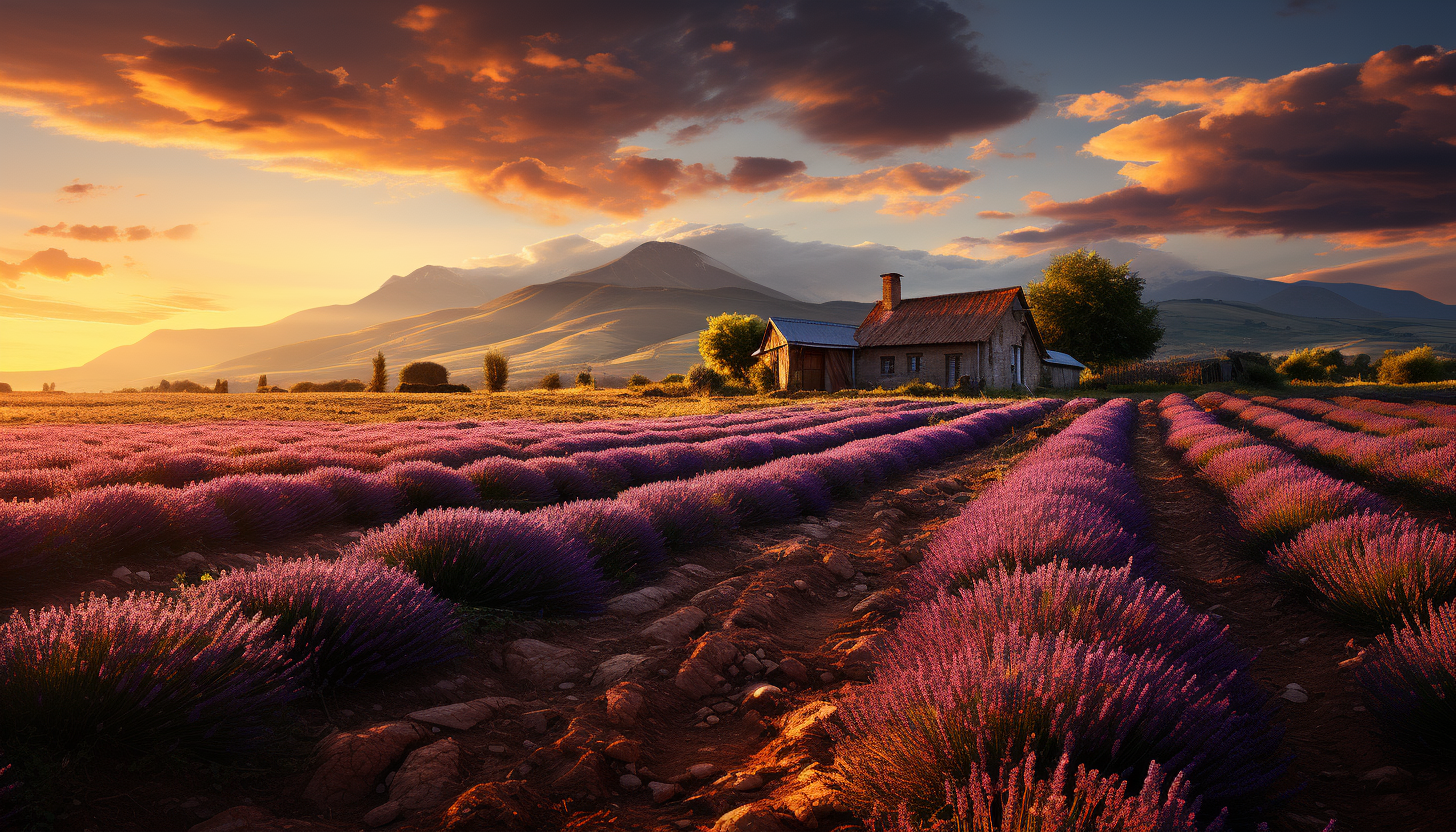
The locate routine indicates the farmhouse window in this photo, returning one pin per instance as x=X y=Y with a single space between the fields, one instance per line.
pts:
x=912 y=363
x=887 y=365
x=952 y=369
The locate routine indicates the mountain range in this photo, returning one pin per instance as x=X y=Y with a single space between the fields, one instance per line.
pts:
x=641 y=312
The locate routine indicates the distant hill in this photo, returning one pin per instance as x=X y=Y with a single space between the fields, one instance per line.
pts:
x=1206 y=327
x=670 y=265
x=563 y=325
x=1306 y=297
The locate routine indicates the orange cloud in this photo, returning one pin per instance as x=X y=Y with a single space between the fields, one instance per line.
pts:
x=78 y=190
x=110 y=233
x=899 y=182
x=525 y=104
x=995 y=215
x=986 y=148
x=1363 y=154
x=53 y=263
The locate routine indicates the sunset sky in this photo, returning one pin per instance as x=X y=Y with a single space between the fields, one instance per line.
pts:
x=204 y=164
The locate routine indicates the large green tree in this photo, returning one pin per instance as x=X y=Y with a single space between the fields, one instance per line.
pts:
x=728 y=343
x=1093 y=310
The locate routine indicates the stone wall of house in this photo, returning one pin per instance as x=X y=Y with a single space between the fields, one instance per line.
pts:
x=989 y=360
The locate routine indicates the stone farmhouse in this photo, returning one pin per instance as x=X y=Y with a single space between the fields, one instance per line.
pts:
x=987 y=337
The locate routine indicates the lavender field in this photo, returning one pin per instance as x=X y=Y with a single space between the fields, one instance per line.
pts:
x=1222 y=614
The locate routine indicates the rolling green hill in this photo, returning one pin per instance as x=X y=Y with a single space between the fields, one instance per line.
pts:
x=1206 y=327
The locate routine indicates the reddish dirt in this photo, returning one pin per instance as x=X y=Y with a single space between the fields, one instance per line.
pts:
x=543 y=763
x=1334 y=741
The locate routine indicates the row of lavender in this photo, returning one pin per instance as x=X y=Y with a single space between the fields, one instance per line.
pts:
x=98 y=524
x=1427 y=413
x=1350 y=553
x=67 y=461
x=1422 y=459
x=1042 y=673
x=210 y=668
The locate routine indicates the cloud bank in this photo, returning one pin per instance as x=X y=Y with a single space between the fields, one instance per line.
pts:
x=112 y=233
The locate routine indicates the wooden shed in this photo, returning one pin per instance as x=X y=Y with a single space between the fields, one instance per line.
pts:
x=810 y=355
x=1063 y=371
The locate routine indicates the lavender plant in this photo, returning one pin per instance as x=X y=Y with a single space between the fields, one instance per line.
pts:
x=509 y=480
x=431 y=485
x=1410 y=678
x=617 y=535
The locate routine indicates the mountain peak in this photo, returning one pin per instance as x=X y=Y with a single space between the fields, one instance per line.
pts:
x=672 y=266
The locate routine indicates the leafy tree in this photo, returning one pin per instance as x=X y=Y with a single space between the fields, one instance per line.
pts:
x=1411 y=367
x=584 y=379
x=1314 y=364
x=220 y=386
x=728 y=343
x=424 y=372
x=1093 y=310
x=765 y=378
x=497 y=370
x=550 y=381
x=638 y=380
x=674 y=378
x=379 y=382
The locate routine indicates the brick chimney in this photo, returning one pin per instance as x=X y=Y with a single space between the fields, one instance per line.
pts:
x=892 y=290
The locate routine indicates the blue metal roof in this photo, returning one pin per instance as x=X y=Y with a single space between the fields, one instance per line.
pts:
x=1054 y=357
x=816 y=333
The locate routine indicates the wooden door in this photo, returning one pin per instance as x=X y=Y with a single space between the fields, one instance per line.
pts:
x=813 y=369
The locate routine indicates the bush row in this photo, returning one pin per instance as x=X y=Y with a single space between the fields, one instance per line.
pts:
x=1422 y=458
x=97 y=525
x=560 y=560
x=1353 y=558
x=1429 y=413
x=1042 y=679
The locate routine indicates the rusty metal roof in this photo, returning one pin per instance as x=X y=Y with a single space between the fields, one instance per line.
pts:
x=964 y=317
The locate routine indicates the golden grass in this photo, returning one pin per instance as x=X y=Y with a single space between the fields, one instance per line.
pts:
x=570 y=405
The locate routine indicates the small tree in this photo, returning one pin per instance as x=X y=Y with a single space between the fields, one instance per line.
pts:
x=1313 y=364
x=220 y=386
x=728 y=344
x=674 y=378
x=1411 y=367
x=1088 y=307
x=424 y=372
x=638 y=380
x=263 y=381
x=703 y=379
x=550 y=381
x=497 y=370
x=584 y=379
x=379 y=381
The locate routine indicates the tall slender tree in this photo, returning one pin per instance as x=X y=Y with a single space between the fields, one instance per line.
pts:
x=497 y=370
x=380 y=381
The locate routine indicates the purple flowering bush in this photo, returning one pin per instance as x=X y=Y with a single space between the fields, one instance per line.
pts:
x=618 y=535
x=501 y=479
x=265 y=506
x=1410 y=678
x=143 y=671
x=347 y=620
x=500 y=559
x=431 y=485
x=364 y=497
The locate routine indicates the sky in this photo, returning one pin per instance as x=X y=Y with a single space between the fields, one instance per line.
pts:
x=183 y=164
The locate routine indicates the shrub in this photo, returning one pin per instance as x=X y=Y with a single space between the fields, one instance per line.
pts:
x=765 y=378
x=98 y=524
x=1410 y=676
x=348 y=619
x=1313 y=364
x=618 y=536
x=497 y=370
x=1276 y=504
x=1411 y=367
x=364 y=497
x=550 y=381
x=637 y=380
x=498 y=559
x=5 y=388
x=431 y=485
x=424 y=372
x=571 y=481
x=1262 y=375
x=703 y=379
x=142 y=672
x=265 y=506
x=220 y=386
x=1372 y=570
x=502 y=478
x=584 y=379
x=379 y=377
x=674 y=378
x=352 y=385
x=681 y=514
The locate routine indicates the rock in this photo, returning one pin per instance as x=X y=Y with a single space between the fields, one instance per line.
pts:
x=428 y=776
x=704 y=771
x=461 y=716
x=746 y=783
x=720 y=596
x=146 y=576
x=383 y=814
x=765 y=699
x=698 y=675
x=625 y=750
x=541 y=664
x=192 y=559
x=1388 y=778
x=876 y=602
x=838 y=564
x=353 y=761
x=536 y=722
x=615 y=669
x=508 y=804
x=663 y=792
x=121 y=573
x=1294 y=693
x=674 y=629
x=723 y=707
x=803 y=738
x=624 y=702
x=811 y=797
x=801 y=585
x=629 y=782
x=641 y=601
x=589 y=774
x=751 y=665
x=815 y=531
x=755 y=817
x=795 y=670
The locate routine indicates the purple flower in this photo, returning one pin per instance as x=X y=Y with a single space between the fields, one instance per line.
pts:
x=618 y=535
x=1410 y=677
x=431 y=485
x=500 y=479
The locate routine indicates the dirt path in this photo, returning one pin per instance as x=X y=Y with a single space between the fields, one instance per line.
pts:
x=1338 y=750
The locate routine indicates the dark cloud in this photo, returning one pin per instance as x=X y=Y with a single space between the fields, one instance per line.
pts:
x=758 y=174
x=522 y=103
x=1362 y=153
x=1294 y=7
x=53 y=263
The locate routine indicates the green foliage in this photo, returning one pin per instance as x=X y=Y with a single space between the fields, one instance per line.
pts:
x=497 y=370
x=1412 y=366
x=674 y=378
x=379 y=381
x=424 y=372
x=550 y=381
x=727 y=345
x=1314 y=364
x=704 y=380
x=182 y=386
x=765 y=378
x=584 y=379
x=1088 y=307
x=638 y=380
x=1262 y=375
x=352 y=385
